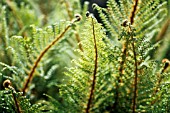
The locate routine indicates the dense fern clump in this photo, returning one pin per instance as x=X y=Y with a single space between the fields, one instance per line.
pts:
x=133 y=83
x=73 y=64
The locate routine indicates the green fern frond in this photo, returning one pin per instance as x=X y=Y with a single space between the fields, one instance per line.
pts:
x=35 y=47
x=12 y=101
x=125 y=85
x=86 y=66
x=113 y=70
x=148 y=15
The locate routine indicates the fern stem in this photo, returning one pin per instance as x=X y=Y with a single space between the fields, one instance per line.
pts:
x=79 y=41
x=68 y=10
x=16 y=103
x=135 y=79
x=94 y=72
x=40 y=57
x=70 y=18
x=132 y=16
x=163 y=30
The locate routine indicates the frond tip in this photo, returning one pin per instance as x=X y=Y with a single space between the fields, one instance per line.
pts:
x=7 y=83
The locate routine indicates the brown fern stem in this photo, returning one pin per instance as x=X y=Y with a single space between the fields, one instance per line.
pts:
x=40 y=57
x=94 y=72
x=70 y=18
x=68 y=10
x=163 y=30
x=16 y=103
x=132 y=16
x=135 y=80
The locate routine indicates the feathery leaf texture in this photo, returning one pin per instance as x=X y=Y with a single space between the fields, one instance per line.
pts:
x=127 y=87
x=113 y=68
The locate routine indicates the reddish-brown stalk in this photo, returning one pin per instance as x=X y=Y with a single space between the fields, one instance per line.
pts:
x=94 y=72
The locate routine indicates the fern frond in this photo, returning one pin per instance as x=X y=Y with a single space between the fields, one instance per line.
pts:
x=145 y=16
x=42 y=54
x=113 y=70
x=40 y=57
x=12 y=101
x=95 y=69
x=87 y=88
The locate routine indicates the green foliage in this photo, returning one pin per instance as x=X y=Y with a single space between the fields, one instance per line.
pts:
x=8 y=103
x=58 y=65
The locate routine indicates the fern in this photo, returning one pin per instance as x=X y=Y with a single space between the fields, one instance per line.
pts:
x=129 y=92
x=13 y=102
x=116 y=67
x=24 y=57
x=89 y=59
